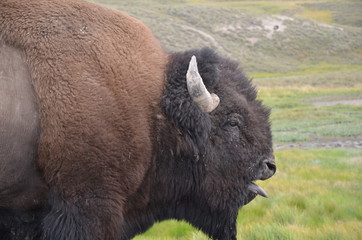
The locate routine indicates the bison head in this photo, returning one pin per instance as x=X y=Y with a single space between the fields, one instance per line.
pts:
x=213 y=144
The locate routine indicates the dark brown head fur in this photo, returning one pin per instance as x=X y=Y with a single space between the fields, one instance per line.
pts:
x=203 y=162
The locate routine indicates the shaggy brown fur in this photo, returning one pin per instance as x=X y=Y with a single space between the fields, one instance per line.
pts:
x=98 y=75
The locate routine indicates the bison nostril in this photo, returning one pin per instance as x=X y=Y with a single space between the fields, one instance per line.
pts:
x=268 y=169
x=271 y=166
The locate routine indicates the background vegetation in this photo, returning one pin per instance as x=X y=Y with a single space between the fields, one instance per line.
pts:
x=306 y=59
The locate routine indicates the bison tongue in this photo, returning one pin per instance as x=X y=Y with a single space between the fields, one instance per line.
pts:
x=257 y=189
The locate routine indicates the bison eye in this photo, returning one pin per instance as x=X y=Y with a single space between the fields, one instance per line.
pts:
x=234 y=120
x=233 y=123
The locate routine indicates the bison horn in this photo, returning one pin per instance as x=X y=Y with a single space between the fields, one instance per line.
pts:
x=197 y=90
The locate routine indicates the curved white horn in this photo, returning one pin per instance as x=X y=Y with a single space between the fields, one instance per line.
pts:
x=197 y=90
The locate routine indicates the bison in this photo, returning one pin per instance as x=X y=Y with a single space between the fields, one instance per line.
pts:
x=103 y=132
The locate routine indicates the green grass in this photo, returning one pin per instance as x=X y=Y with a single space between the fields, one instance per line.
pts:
x=322 y=16
x=314 y=68
x=295 y=117
x=342 y=12
x=171 y=229
x=270 y=7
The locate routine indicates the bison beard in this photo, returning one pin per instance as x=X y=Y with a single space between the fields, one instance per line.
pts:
x=122 y=143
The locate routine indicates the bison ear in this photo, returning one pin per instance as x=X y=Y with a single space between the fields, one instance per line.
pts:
x=199 y=94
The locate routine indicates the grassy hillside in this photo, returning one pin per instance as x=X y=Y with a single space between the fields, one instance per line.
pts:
x=306 y=59
x=265 y=36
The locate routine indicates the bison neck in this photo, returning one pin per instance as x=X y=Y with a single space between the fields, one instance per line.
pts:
x=171 y=190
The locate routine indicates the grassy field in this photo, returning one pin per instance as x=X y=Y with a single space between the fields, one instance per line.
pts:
x=310 y=72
